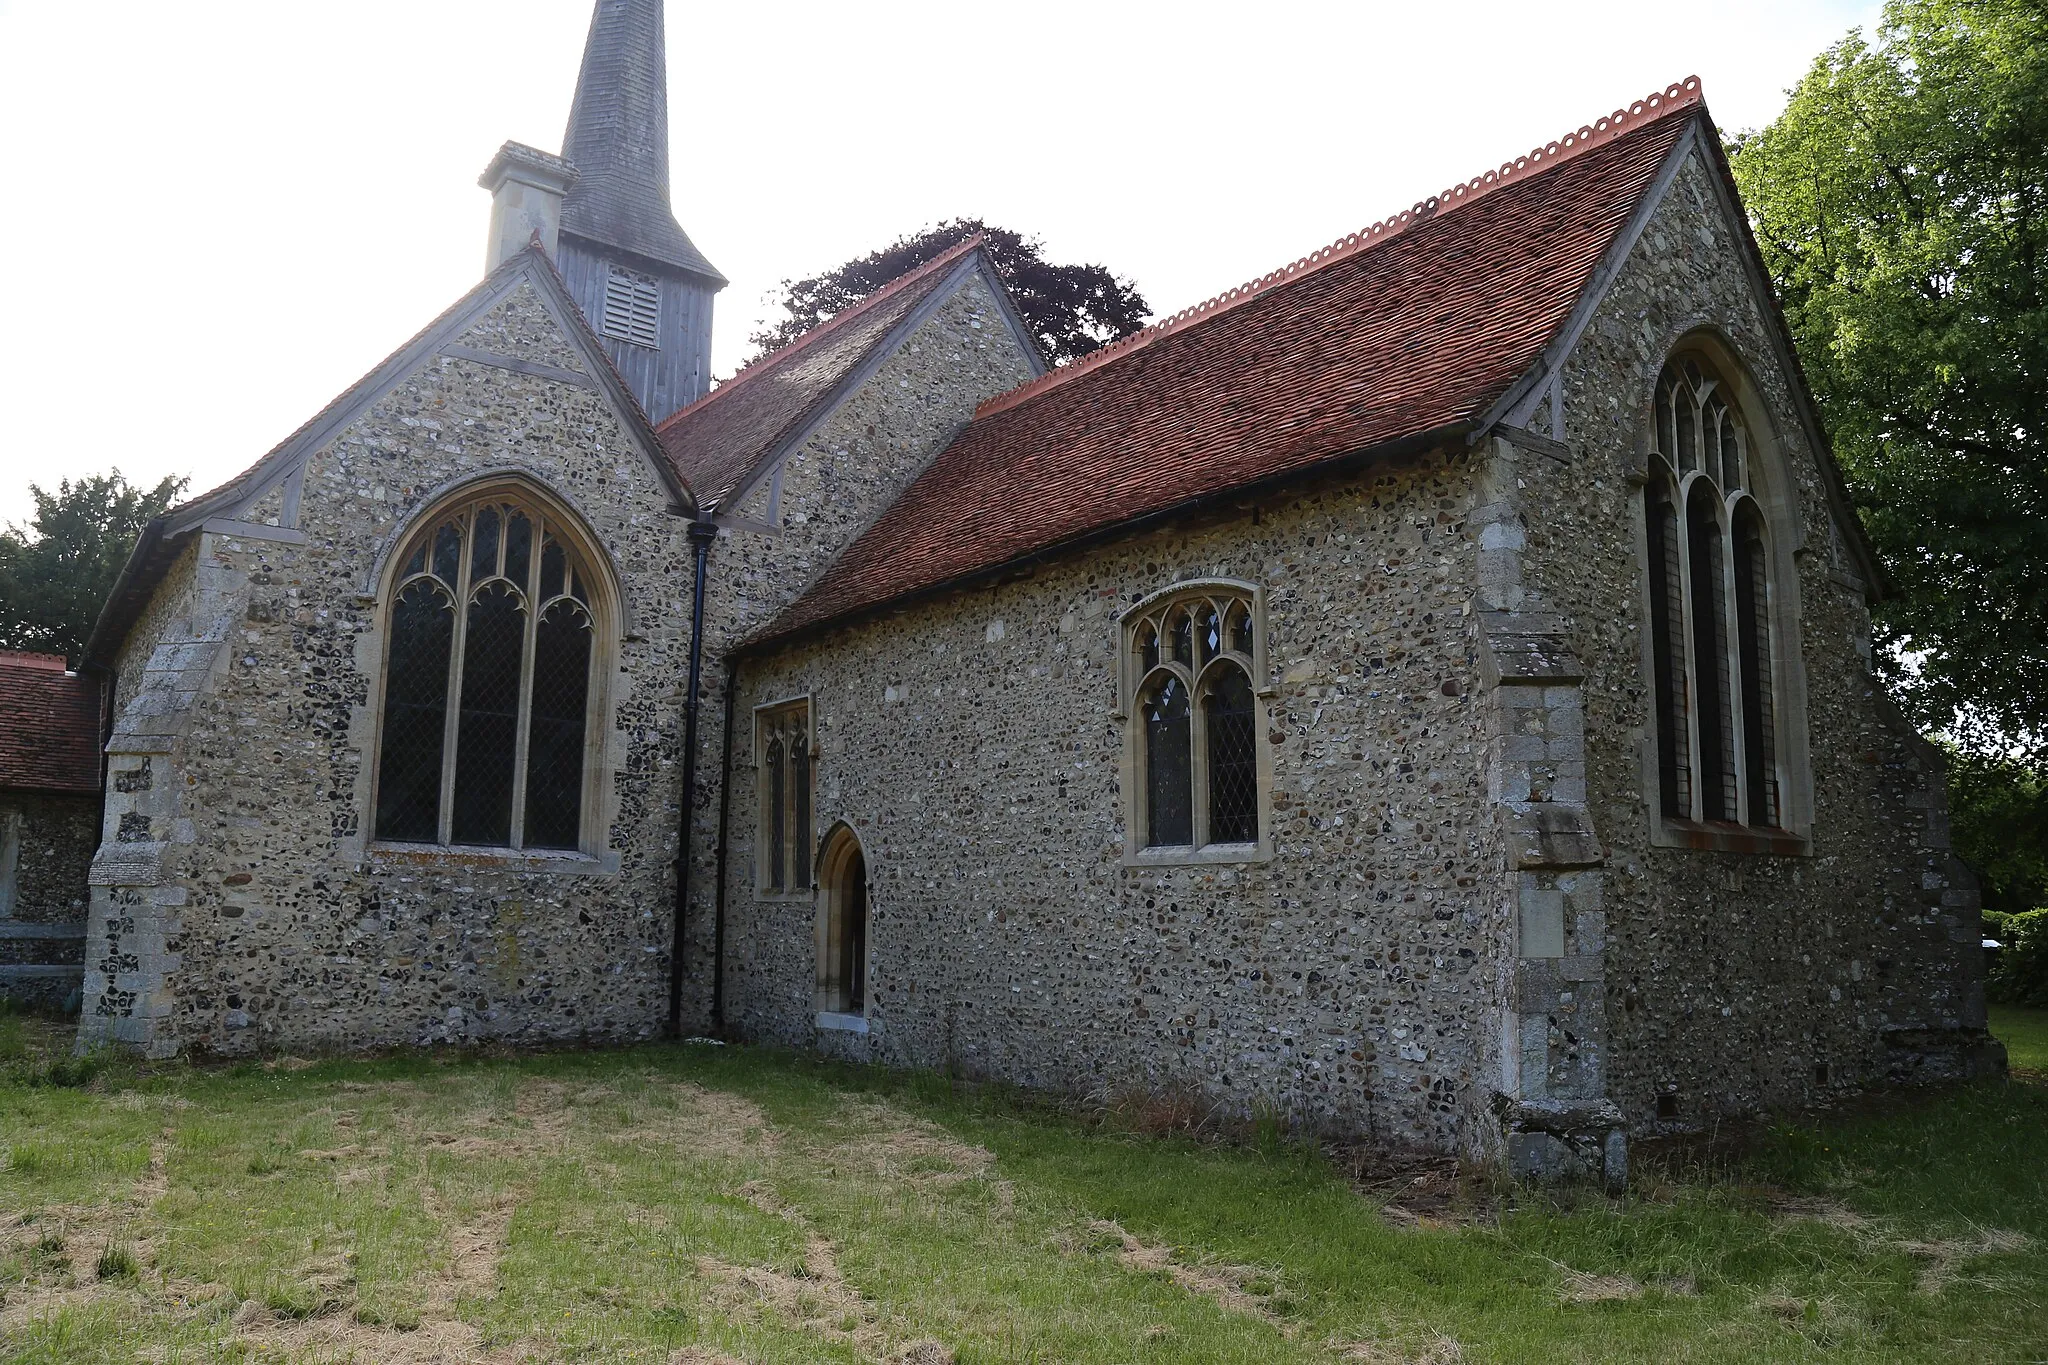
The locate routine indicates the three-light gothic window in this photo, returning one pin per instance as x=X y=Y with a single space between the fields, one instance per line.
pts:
x=1711 y=608
x=1191 y=660
x=489 y=683
x=784 y=747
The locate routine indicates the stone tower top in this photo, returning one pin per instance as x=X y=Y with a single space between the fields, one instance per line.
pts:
x=617 y=140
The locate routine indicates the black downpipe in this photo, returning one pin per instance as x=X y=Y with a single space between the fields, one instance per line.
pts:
x=732 y=687
x=702 y=533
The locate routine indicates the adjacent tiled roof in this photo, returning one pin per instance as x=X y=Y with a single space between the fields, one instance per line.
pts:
x=617 y=140
x=49 y=725
x=719 y=442
x=1414 y=326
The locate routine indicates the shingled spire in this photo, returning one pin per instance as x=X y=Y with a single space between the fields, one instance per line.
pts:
x=645 y=287
x=618 y=140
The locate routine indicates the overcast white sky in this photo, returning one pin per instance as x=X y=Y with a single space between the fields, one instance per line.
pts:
x=216 y=214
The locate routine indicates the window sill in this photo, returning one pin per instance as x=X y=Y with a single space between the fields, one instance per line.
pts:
x=802 y=897
x=842 y=1023
x=470 y=857
x=1712 y=836
x=1208 y=855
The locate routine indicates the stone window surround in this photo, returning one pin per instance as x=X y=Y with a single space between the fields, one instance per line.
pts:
x=1132 y=762
x=594 y=857
x=838 y=847
x=1775 y=494
x=766 y=715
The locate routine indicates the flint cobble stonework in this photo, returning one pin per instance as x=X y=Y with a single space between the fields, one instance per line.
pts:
x=858 y=461
x=1465 y=924
x=267 y=917
x=971 y=745
x=1463 y=928
x=1740 y=981
x=243 y=904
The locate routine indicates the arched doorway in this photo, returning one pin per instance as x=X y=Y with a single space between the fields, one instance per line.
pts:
x=842 y=925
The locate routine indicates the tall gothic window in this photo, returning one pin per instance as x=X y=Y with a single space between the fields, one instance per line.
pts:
x=1711 y=608
x=489 y=683
x=1190 y=661
x=784 y=746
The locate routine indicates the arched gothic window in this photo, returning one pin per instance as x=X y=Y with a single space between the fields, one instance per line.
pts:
x=1190 y=663
x=1711 y=604
x=783 y=741
x=490 y=682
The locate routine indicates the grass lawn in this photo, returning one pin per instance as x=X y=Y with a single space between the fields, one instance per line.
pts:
x=2025 y=1035
x=709 y=1205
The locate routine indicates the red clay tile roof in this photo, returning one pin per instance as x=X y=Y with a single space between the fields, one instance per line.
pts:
x=718 y=442
x=1414 y=326
x=49 y=725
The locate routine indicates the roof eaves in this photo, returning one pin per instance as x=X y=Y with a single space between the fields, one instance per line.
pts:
x=1683 y=95
x=801 y=428
x=1560 y=347
x=784 y=628
x=838 y=321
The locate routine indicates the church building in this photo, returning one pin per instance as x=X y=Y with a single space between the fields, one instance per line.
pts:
x=1425 y=691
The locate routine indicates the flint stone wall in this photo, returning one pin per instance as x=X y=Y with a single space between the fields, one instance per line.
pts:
x=1352 y=981
x=1740 y=981
x=46 y=846
x=242 y=905
x=861 y=458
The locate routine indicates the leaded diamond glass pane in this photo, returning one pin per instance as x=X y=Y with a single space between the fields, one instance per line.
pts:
x=1209 y=631
x=554 y=746
x=1710 y=659
x=1233 y=762
x=800 y=800
x=1182 y=627
x=418 y=563
x=415 y=715
x=483 y=551
x=448 y=553
x=487 y=733
x=554 y=570
x=1241 y=629
x=1169 y=807
x=518 y=547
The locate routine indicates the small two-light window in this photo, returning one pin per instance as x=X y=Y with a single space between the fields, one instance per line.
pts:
x=632 y=307
x=783 y=746
x=1191 y=657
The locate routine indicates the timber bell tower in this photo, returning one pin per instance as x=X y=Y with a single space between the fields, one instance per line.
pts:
x=602 y=210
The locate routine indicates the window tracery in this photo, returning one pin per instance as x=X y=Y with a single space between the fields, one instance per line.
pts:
x=1191 y=660
x=489 y=682
x=1711 y=605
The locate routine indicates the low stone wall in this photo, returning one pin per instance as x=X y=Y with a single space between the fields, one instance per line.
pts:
x=46 y=846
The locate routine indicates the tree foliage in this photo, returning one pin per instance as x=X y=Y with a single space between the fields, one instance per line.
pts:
x=1901 y=202
x=1071 y=309
x=55 y=576
x=1998 y=814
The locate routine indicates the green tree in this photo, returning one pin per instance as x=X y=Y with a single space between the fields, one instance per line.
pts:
x=1998 y=812
x=1071 y=309
x=55 y=576
x=1901 y=202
